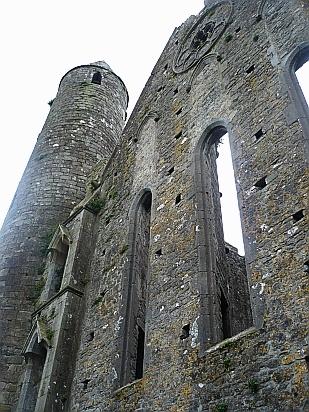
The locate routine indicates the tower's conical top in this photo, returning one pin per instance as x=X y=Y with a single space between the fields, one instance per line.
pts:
x=103 y=64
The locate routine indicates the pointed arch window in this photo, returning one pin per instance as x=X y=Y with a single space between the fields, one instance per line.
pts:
x=298 y=88
x=222 y=270
x=132 y=335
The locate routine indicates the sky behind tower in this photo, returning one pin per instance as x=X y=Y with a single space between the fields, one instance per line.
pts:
x=43 y=40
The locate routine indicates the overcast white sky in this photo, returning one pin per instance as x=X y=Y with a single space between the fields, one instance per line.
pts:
x=42 y=40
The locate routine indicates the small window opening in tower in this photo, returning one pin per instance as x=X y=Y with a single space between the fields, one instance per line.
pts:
x=229 y=202
x=97 y=78
x=302 y=74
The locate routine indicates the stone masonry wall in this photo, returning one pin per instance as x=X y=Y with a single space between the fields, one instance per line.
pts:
x=228 y=69
x=235 y=81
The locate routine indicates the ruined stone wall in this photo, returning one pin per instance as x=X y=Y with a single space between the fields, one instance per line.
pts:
x=237 y=79
x=229 y=69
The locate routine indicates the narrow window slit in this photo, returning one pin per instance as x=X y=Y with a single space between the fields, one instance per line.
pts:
x=260 y=184
x=170 y=171
x=298 y=216
x=140 y=353
x=306 y=265
x=226 y=328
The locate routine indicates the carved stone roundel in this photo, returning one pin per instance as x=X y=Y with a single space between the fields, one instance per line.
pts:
x=202 y=36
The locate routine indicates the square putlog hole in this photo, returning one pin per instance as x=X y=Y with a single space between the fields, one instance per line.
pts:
x=260 y=184
x=298 y=216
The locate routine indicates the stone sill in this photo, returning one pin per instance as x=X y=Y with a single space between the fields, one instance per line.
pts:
x=224 y=343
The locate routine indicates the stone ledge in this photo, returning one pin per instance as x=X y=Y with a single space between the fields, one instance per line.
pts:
x=60 y=293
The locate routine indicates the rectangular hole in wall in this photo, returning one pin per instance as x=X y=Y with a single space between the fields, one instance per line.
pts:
x=90 y=336
x=159 y=252
x=250 y=69
x=306 y=265
x=170 y=171
x=260 y=184
x=178 y=135
x=258 y=134
x=298 y=216
x=179 y=111
x=85 y=383
x=178 y=199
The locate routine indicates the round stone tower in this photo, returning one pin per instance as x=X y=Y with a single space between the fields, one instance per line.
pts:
x=84 y=125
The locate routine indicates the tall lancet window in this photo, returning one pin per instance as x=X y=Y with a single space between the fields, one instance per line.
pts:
x=135 y=292
x=225 y=301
